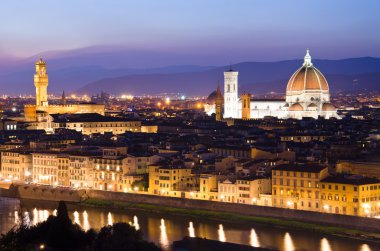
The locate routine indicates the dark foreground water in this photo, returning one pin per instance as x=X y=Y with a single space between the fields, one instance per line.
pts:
x=164 y=229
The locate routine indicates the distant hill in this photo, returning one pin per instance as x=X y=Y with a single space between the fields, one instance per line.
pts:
x=255 y=77
x=72 y=69
x=94 y=69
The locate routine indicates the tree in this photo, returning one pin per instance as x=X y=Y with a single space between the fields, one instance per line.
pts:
x=122 y=237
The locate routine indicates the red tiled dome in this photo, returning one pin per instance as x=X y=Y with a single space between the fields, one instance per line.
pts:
x=307 y=78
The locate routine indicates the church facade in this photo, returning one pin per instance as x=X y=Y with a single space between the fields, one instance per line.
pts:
x=42 y=107
x=307 y=95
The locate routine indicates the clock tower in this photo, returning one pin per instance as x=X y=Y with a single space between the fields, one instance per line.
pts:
x=41 y=83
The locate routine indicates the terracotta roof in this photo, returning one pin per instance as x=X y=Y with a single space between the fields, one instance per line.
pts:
x=328 y=107
x=309 y=168
x=350 y=179
x=296 y=107
x=307 y=78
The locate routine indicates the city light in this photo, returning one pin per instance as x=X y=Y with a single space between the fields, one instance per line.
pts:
x=167 y=101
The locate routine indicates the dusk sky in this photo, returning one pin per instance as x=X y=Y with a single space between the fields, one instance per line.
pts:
x=240 y=29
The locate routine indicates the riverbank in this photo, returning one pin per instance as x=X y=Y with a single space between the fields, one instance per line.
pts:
x=234 y=218
x=335 y=224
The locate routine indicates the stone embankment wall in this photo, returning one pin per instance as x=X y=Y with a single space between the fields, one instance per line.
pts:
x=56 y=194
x=369 y=224
x=46 y=193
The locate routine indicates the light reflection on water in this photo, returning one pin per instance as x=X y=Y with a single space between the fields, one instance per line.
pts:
x=164 y=241
x=191 y=229
x=221 y=234
x=325 y=245
x=136 y=222
x=109 y=219
x=86 y=224
x=254 y=239
x=365 y=247
x=288 y=242
x=164 y=231
x=76 y=218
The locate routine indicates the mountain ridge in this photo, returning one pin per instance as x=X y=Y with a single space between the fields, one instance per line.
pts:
x=260 y=76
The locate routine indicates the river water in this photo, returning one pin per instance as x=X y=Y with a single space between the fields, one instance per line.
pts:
x=164 y=229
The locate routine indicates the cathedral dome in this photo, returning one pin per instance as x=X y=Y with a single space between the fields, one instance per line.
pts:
x=211 y=98
x=307 y=78
x=296 y=107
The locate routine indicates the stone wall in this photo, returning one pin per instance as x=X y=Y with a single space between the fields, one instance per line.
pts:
x=44 y=193
x=368 y=224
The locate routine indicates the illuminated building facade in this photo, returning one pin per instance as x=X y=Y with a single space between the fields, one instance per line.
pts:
x=351 y=195
x=307 y=95
x=297 y=186
x=41 y=83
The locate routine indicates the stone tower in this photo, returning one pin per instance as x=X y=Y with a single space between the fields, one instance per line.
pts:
x=41 y=83
x=230 y=94
x=246 y=106
x=219 y=105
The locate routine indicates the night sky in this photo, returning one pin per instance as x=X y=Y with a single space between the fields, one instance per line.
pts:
x=240 y=30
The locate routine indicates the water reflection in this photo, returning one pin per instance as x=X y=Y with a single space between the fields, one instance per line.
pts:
x=86 y=224
x=325 y=245
x=254 y=239
x=136 y=223
x=191 y=229
x=221 y=234
x=163 y=235
x=76 y=218
x=35 y=216
x=365 y=247
x=109 y=219
x=102 y=219
x=164 y=231
x=26 y=219
x=17 y=220
x=288 y=242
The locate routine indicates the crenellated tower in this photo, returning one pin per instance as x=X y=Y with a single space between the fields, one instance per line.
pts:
x=41 y=83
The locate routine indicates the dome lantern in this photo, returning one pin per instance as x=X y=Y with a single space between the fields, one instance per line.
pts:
x=307 y=59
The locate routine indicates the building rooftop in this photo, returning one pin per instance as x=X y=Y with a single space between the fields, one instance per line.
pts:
x=350 y=179
x=307 y=168
x=86 y=117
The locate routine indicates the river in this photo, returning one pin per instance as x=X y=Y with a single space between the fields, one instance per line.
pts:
x=164 y=229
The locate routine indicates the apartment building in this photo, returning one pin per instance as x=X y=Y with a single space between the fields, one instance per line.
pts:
x=297 y=186
x=351 y=195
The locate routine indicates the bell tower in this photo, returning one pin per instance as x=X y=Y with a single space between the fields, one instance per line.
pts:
x=41 y=83
x=219 y=105
x=231 y=94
